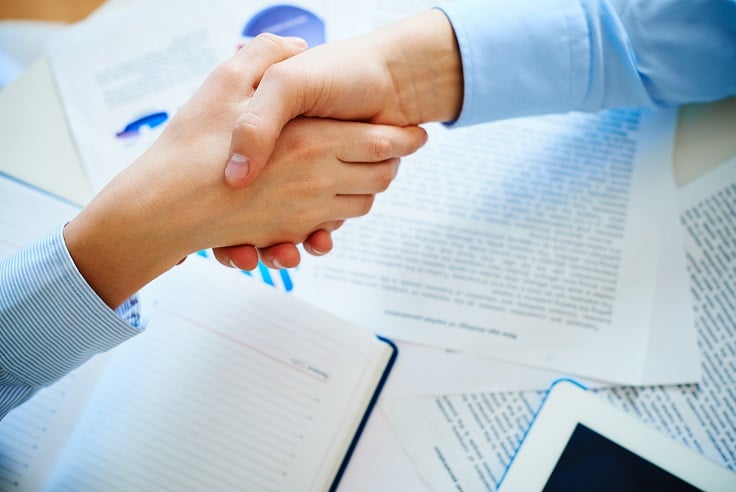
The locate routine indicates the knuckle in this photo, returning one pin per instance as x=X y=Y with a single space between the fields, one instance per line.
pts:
x=386 y=176
x=227 y=73
x=268 y=40
x=334 y=225
x=247 y=124
x=279 y=74
x=379 y=147
x=329 y=226
x=299 y=141
x=314 y=185
x=365 y=205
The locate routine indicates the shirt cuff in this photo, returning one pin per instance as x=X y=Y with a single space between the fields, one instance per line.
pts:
x=520 y=59
x=51 y=321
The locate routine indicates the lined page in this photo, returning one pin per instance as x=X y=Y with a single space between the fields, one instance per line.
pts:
x=534 y=240
x=32 y=435
x=234 y=386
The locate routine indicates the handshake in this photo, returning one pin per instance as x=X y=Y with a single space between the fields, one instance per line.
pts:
x=278 y=147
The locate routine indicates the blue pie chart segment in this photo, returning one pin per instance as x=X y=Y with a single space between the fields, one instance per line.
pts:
x=287 y=20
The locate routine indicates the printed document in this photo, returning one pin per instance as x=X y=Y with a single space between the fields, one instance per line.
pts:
x=534 y=240
x=672 y=353
x=466 y=441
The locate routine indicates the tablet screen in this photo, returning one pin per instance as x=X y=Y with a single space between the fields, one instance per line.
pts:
x=591 y=461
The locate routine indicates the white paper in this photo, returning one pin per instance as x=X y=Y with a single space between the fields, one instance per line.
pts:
x=467 y=440
x=232 y=385
x=672 y=354
x=533 y=240
x=462 y=442
x=379 y=461
x=30 y=107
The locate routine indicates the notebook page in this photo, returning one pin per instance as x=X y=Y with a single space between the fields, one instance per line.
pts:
x=32 y=435
x=233 y=387
x=534 y=240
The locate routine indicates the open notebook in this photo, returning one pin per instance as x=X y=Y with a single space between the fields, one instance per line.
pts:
x=233 y=386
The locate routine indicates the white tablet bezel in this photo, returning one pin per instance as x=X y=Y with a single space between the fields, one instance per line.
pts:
x=567 y=403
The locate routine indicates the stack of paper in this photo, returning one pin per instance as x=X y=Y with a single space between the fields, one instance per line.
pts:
x=468 y=439
x=543 y=241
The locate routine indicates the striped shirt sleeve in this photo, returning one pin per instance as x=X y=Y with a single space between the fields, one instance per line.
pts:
x=51 y=321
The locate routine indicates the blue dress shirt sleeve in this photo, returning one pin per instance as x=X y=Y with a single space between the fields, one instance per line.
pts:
x=530 y=57
x=51 y=321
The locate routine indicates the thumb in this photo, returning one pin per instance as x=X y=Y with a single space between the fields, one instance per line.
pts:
x=253 y=140
x=279 y=98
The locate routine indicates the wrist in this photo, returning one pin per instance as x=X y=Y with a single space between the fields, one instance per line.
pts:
x=423 y=58
x=118 y=242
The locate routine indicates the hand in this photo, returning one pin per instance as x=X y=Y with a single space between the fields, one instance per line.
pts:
x=323 y=165
x=405 y=74
x=173 y=200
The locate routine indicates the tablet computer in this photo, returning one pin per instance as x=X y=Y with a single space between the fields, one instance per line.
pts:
x=579 y=442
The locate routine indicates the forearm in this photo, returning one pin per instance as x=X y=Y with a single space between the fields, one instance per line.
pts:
x=127 y=235
x=173 y=201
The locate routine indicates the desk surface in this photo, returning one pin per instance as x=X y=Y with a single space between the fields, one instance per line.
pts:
x=48 y=10
x=705 y=138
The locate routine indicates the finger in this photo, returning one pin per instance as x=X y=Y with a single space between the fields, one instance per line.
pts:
x=284 y=255
x=242 y=257
x=366 y=178
x=362 y=142
x=281 y=95
x=347 y=207
x=319 y=243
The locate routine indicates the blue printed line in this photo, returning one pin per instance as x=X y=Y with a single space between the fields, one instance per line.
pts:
x=286 y=278
x=265 y=274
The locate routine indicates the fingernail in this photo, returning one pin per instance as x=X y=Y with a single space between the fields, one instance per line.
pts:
x=276 y=264
x=313 y=251
x=237 y=168
x=232 y=264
